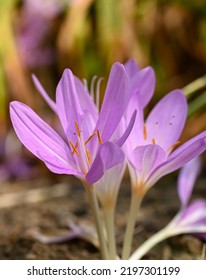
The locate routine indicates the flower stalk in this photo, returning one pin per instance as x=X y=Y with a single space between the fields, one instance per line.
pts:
x=135 y=204
x=151 y=242
x=109 y=223
x=97 y=219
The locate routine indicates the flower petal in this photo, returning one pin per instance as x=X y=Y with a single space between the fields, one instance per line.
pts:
x=86 y=101
x=142 y=90
x=44 y=94
x=108 y=186
x=193 y=214
x=136 y=136
x=40 y=139
x=186 y=180
x=128 y=130
x=115 y=102
x=145 y=159
x=167 y=119
x=191 y=219
x=180 y=157
x=131 y=68
x=144 y=81
x=108 y=155
x=68 y=105
x=73 y=102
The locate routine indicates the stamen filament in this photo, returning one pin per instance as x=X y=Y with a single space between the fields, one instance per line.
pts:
x=90 y=137
x=173 y=146
x=99 y=137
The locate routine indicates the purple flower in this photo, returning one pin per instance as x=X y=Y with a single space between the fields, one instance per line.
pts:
x=149 y=148
x=192 y=216
x=88 y=150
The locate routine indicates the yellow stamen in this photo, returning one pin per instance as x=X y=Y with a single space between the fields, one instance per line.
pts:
x=77 y=129
x=74 y=147
x=90 y=137
x=99 y=137
x=145 y=132
x=88 y=156
x=173 y=146
x=153 y=141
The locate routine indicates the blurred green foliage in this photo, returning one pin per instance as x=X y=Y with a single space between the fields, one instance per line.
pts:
x=88 y=36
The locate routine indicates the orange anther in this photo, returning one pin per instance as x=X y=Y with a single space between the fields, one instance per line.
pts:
x=88 y=156
x=90 y=137
x=99 y=137
x=77 y=129
x=173 y=146
x=74 y=147
x=153 y=141
x=145 y=132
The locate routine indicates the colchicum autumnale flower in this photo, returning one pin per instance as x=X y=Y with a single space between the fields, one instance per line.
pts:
x=88 y=151
x=152 y=149
x=91 y=147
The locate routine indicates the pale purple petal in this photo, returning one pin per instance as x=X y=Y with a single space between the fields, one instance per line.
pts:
x=166 y=121
x=68 y=104
x=144 y=82
x=146 y=159
x=86 y=101
x=143 y=86
x=191 y=219
x=108 y=186
x=115 y=102
x=108 y=155
x=44 y=94
x=186 y=180
x=136 y=136
x=132 y=68
x=40 y=139
x=197 y=210
x=73 y=105
x=180 y=157
x=127 y=132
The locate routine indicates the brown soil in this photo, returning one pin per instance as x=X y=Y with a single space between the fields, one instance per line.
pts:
x=28 y=205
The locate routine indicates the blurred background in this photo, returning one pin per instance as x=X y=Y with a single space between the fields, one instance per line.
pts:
x=46 y=36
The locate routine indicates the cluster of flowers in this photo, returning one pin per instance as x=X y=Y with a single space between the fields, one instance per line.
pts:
x=97 y=145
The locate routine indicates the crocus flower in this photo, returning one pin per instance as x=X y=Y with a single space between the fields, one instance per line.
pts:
x=152 y=147
x=87 y=152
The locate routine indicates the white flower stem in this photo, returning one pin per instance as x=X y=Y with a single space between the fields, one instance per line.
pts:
x=98 y=221
x=134 y=208
x=151 y=242
x=109 y=222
